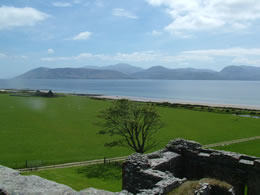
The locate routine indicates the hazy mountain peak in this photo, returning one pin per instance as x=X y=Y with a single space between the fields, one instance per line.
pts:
x=41 y=68
x=157 y=68
x=72 y=73
x=240 y=72
x=240 y=68
x=121 y=67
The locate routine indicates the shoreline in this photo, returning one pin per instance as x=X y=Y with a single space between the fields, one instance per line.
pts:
x=179 y=102
x=145 y=99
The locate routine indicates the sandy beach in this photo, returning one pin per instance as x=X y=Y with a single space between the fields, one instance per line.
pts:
x=143 y=99
x=154 y=100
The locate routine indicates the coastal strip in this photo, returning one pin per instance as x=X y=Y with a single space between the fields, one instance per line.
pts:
x=143 y=99
x=179 y=102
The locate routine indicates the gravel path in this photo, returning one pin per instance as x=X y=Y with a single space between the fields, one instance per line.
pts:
x=231 y=142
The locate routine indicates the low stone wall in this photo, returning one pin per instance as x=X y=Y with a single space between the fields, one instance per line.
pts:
x=12 y=183
x=162 y=171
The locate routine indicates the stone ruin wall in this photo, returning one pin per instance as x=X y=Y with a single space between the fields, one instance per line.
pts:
x=181 y=160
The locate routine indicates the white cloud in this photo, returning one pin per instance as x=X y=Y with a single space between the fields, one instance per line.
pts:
x=156 y=33
x=82 y=36
x=51 y=51
x=229 y=52
x=19 y=57
x=246 y=61
x=78 y=57
x=201 y=15
x=239 y=56
x=123 y=13
x=61 y=4
x=14 y=17
x=143 y=56
x=57 y=59
x=202 y=58
x=99 y=3
x=76 y=1
x=2 y=55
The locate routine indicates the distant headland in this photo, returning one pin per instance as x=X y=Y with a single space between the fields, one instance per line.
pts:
x=126 y=71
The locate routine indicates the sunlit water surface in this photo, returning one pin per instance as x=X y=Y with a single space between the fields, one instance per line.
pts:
x=218 y=92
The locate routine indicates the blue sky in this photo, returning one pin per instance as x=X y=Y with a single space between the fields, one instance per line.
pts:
x=208 y=34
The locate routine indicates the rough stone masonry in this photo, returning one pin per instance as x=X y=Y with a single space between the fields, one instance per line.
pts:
x=162 y=171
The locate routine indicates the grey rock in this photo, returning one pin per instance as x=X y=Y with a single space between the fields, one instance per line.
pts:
x=13 y=183
x=93 y=191
x=203 y=190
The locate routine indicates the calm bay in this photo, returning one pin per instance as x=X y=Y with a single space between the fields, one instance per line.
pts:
x=206 y=91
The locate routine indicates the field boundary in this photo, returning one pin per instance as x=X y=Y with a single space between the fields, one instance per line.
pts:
x=231 y=142
x=116 y=159
x=75 y=164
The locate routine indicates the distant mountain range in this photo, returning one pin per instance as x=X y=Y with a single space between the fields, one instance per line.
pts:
x=126 y=71
x=160 y=72
x=124 y=68
x=72 y=73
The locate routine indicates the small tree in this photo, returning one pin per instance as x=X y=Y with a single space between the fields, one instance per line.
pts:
x=134 y=125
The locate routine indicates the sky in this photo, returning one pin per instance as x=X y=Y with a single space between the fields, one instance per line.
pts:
x=208 y=34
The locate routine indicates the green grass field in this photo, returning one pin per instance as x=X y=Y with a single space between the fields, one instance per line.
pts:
x=250 y=148
x=101 y=176
x=62 y=129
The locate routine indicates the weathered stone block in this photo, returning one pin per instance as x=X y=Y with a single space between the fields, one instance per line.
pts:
x=225 y=158
x=203 y=190
x=93 y=191
x=12 y=182
x=177 y=145
x=257 y=164
x=246 y=163
x=169 y=161
x=169 y=184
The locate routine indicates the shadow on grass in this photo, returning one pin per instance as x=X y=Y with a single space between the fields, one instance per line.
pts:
x=103 y=171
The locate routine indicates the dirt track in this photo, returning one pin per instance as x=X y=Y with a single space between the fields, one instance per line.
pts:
x=231 y=142
x=108 y=160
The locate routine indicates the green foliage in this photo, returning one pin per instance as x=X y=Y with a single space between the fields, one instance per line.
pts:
x=227 y=110
x=135 y=125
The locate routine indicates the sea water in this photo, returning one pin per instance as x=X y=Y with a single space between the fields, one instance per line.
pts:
x=207 y=91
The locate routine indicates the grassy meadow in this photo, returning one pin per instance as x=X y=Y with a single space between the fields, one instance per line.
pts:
x=101 y=176
x=62 y=129
x=250 y=148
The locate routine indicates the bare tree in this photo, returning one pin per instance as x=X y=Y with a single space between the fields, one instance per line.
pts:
x=134 y=125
